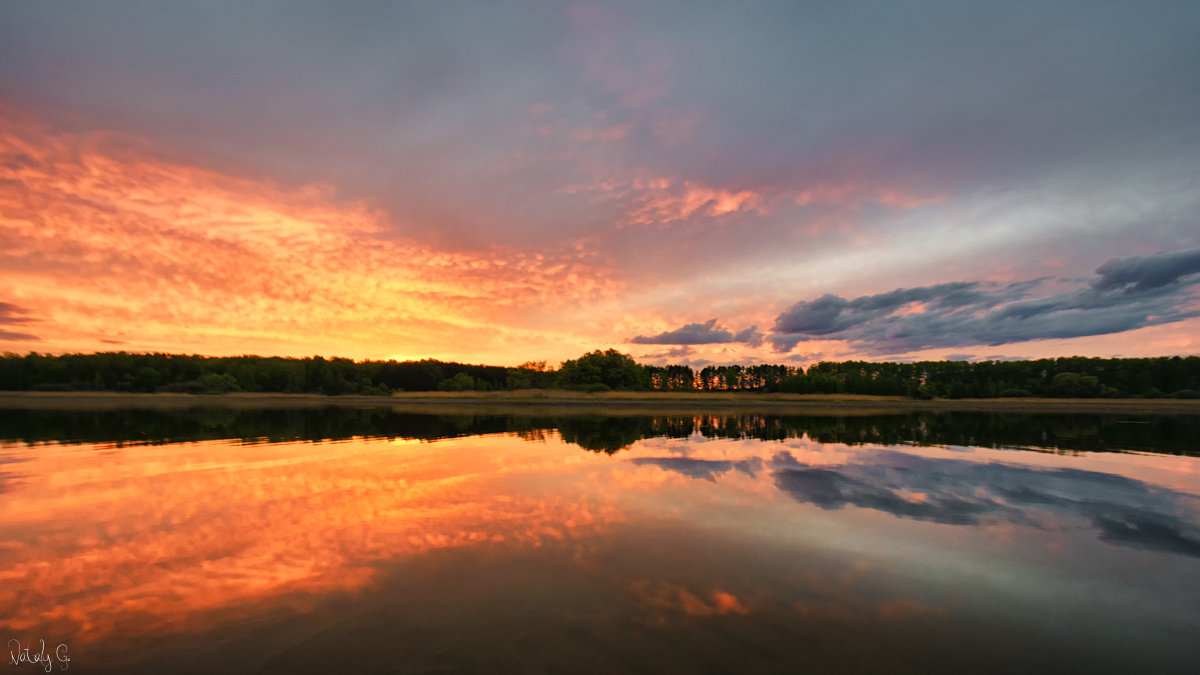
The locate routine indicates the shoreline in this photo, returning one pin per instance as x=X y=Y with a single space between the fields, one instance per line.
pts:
x=578 y=402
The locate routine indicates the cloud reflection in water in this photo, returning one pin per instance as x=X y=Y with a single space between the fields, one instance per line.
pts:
x=1125 y=511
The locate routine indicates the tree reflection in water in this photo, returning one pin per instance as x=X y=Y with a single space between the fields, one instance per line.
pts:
x=608 y=433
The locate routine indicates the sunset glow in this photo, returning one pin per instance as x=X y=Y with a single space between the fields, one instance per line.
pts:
x=540 y=182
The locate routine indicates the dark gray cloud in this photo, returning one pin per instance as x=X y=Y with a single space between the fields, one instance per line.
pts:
x=11 y=314
x=1128 y=293
x=1138 y=274
x=707 y=333
x=1124 y=511
x=703 y=469
x=692 y=334
x=750 y=336
x=831 y=314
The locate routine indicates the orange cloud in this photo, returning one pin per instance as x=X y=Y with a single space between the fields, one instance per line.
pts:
x=664 y=202
x=103 y=243
x=665 y=596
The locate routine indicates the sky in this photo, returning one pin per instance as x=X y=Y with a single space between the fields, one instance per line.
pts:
x=687 y=182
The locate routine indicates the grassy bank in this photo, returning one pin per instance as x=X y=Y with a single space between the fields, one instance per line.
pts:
x=627 y=402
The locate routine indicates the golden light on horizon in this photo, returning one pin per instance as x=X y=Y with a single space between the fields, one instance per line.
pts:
x=115 y=248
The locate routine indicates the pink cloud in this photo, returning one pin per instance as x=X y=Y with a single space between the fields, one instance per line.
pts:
x=661 y=201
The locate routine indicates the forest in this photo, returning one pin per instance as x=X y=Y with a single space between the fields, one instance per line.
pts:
x=609 y=370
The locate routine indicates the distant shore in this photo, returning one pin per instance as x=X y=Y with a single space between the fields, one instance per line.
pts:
x=624 y=402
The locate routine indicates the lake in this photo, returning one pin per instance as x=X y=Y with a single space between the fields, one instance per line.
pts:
x=373 y=540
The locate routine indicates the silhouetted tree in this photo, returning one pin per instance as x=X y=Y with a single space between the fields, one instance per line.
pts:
x=602 y=371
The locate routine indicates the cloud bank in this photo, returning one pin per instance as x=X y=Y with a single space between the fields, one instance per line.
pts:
x=1126 y=294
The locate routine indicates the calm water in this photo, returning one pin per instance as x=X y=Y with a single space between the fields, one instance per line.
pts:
x=343 y=540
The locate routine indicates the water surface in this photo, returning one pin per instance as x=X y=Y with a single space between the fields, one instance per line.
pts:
x=380 y=540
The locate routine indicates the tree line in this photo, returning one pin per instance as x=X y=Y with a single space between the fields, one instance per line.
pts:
x=181 y=373
x=194 y=374
x=1070 y=377
x=595 y=371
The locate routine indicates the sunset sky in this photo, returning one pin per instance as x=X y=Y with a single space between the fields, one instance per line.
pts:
x=497 y=182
